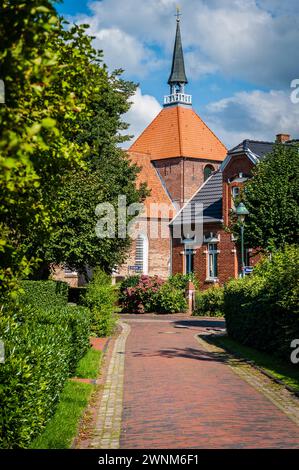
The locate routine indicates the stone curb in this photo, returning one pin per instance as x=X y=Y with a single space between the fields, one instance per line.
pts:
x=108 y=424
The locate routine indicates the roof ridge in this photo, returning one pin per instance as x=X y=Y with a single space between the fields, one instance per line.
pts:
x=259 y=141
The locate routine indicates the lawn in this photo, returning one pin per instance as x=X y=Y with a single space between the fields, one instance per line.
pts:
x=63 y=426
x=282 y=370
x=89 y=365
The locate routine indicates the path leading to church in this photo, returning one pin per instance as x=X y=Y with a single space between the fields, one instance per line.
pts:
x=179 y=394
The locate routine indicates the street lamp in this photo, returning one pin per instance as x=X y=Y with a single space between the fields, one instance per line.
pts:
x=241 y=212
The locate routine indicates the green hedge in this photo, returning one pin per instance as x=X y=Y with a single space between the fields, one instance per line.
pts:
x=44 y=294
x=101 y=298
x=76 y=295
x=42 y=349
x=262 y=310
x=209 y=302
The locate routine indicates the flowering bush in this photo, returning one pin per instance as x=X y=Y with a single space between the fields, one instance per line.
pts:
x=141 y=298
x=150 y=294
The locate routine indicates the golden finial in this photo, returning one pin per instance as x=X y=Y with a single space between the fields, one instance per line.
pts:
x=178 y=13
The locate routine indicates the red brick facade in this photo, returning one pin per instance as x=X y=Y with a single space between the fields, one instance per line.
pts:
x=183 y=176
x=228 y=262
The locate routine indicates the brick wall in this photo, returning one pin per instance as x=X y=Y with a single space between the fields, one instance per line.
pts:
x=182 y=176
x=158 y=249
x=238 y=164
x=227 y=257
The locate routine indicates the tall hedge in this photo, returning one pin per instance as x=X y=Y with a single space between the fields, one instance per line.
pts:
x=42 y=349
x=101 y=299
x=44 y=294
x=262 y=310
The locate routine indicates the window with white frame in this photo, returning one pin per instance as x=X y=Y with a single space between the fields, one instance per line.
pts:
x=212 y=261
x=141 y=254
x=235 y=191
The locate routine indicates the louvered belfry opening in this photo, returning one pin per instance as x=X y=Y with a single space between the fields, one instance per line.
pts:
x=139 y=255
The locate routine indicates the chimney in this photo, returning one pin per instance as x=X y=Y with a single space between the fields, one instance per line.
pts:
x=282 y=138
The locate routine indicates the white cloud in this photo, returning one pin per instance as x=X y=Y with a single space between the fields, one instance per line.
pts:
x=255 y=40
x=253 y=115
x=143 y=110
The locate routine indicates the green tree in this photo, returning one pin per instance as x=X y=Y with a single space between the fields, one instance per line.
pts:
x=271 y=196
x=34 y=147
x=59 y=131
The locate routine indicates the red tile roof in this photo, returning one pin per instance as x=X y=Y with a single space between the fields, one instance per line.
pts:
x=178 y=131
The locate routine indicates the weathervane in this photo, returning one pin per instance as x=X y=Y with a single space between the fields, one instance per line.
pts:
x=178 y=14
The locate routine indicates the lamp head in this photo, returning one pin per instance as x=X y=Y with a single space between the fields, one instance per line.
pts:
x=241 y=212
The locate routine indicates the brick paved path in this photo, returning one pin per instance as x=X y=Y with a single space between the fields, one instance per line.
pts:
x=179 y=395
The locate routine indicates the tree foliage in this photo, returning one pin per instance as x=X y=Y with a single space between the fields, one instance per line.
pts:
x=59 y=130
x=271 y=196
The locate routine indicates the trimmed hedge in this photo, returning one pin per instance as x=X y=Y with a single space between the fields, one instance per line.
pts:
x=44 y=294
x=209 y=302
x=42 y=349
x=76 y=295
x=262 y=310
x=101 y=298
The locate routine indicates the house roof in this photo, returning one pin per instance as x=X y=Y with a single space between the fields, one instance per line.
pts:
x=148 y=174
x=257 y=147
x=178 y=131
x=210 y=196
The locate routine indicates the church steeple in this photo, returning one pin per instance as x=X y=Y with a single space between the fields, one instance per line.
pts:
x=177 y=79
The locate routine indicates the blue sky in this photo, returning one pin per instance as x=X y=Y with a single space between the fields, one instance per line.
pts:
x=240 y=56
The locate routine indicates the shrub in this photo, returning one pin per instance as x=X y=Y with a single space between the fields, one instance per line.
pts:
x=143 y=294
x=42 y=348
x=130 y=281
x=142 y=297
x=170 y=300
x=180 y=281
x=76 y=295
x=46 y=294
x=209 y=302
x=101 y=299
x=262 y=310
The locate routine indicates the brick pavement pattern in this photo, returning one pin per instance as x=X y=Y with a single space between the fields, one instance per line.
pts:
x=180 y=394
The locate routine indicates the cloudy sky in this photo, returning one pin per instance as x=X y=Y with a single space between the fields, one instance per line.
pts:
x=240 y=55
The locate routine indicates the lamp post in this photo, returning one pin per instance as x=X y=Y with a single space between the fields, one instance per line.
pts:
x=241 y=212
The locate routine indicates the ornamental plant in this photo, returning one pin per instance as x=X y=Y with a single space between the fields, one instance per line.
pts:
x=151 y=294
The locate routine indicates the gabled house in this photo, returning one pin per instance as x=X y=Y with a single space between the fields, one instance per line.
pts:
x=216 y=258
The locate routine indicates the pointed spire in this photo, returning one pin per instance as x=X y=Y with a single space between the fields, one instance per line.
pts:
x=178 y=75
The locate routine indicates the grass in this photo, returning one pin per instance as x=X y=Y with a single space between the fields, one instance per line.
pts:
x=280 y=369
x=88 y=367
x=63 y=426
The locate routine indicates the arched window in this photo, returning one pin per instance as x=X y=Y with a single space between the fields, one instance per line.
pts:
x=208 y=170
x=141 y=254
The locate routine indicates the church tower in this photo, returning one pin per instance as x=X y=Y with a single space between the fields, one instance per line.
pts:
x=182 y=148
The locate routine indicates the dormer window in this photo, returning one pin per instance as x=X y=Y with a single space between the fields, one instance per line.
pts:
x=235 y=192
